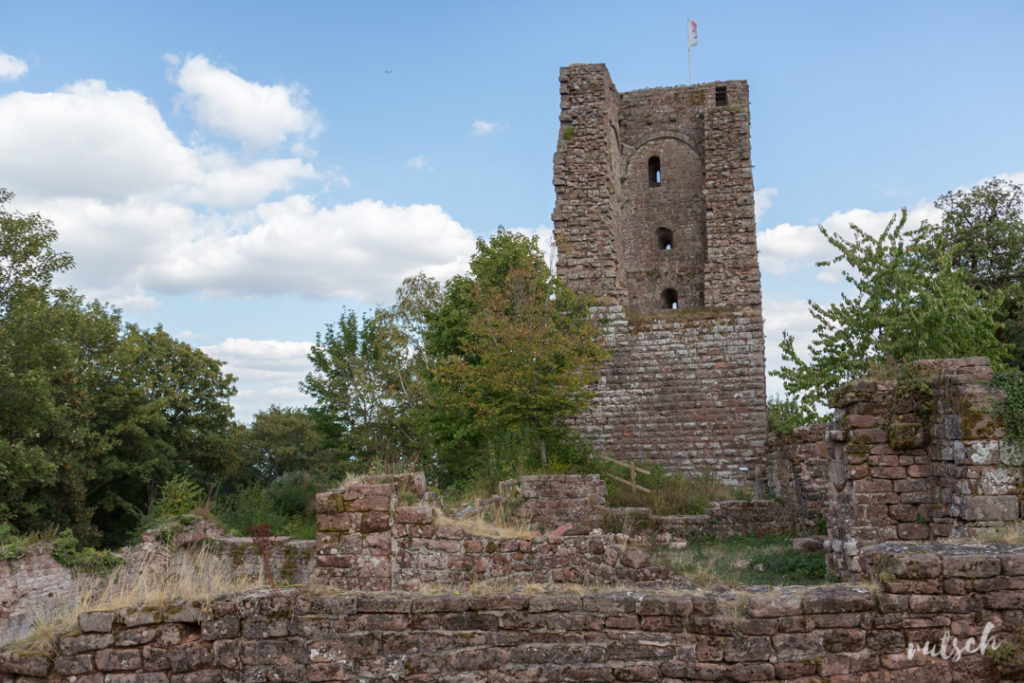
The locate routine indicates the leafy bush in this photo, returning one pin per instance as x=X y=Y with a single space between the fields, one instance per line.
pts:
x=786 y=414
x=12 y=546
x=1012 y=411
x=88 y=560
x=179 y=496
x=287 y=504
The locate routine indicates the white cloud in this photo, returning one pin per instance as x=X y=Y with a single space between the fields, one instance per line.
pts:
x=262 y=358
x=263 y=115
x=361 y=250
x=786 y=247
x=88 y=141
x=11 y=68
x=484 y=127
x=763 y=200
x=265 y=368
x=417 y=163
x=790 y=315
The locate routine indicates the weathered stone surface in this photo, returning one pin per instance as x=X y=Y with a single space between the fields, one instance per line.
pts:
x=96 y=622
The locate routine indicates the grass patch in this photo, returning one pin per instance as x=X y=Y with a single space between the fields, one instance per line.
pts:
x=745 y=560
x=671 y=494
x=499 y=524
x=197 y=575
x=1010 y=533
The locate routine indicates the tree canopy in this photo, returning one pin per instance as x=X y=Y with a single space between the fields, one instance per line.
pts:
x=449 y=376
x=515 y=350
x=945 y=290
x=97 y=413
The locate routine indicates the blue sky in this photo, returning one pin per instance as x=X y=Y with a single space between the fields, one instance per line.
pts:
x=240 y=172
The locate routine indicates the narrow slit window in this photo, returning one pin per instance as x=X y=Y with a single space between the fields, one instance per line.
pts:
x=721 y=96
x=654 y=171
x=664 y=237
x=669 y=299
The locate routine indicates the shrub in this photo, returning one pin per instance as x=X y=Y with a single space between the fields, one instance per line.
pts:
x=286 y=505
x=12 y=546
x=88 y=560
x=179 y=496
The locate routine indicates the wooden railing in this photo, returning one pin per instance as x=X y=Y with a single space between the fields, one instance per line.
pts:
x=633 y=469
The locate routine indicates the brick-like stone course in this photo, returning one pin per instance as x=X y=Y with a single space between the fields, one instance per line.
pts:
x=840 y=633
x=798 y=468
x=32 y=583
x=916 y=461
x=549 y=501
x=368 y=541
x=721 y=520
x=684 y=388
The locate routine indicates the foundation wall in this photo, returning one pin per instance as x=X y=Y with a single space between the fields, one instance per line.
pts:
x=840 y=633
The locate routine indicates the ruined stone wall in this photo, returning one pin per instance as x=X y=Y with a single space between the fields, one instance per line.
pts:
x=722 y=519
x=37 y=585
x=917 y=460
x=798 y=472
x=552 y=500
x=368 y=541
x=31 y=584
x=840 y=633
x=654 y=217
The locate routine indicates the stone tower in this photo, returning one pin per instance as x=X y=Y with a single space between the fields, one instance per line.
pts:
x=654 y=218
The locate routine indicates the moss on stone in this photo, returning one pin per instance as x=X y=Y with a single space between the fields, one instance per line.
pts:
x=903 y=435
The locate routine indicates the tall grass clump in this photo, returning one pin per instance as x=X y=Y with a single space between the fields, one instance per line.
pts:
x=671 y=493
x=156 y=580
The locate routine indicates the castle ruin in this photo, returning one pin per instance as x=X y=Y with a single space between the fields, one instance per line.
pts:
x=654 y=218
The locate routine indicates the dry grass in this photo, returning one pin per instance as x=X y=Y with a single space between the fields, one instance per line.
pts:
x=672 y=494
x=503 y=526
x=1010 y=533
x=197 y=575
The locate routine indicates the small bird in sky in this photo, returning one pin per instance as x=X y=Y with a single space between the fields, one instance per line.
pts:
x=387 y=71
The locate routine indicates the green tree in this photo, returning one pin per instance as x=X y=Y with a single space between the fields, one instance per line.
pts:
x=97 y=414
x=515 y=350
x=364 y=382
x=281 y=440
x=982 y=231
x=901 y=308
x=27 y=256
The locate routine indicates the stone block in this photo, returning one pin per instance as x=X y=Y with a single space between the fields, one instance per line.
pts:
x=118 y=660
x=96 y=622
x=992 y=508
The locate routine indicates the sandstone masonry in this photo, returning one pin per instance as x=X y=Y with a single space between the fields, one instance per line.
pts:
x=654 y=218
x=839 y=633
x=369 y=540
x=917 y=460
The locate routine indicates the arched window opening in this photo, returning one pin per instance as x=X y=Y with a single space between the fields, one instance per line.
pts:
x=654 y=171
x=669 y=298
x=664 y=237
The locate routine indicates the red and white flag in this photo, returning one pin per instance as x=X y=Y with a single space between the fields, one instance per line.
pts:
x=691 y=32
